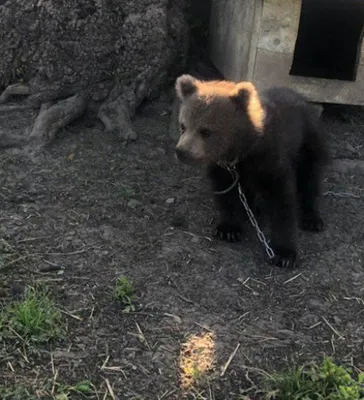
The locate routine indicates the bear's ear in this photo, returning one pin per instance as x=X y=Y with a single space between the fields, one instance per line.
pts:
x=246 y=97
x=242 y=94
x=185 y=86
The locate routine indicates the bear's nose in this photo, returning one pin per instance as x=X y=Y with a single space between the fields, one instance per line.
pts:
x=181 y=155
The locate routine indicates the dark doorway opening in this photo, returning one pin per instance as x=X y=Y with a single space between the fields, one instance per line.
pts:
x=329 y=39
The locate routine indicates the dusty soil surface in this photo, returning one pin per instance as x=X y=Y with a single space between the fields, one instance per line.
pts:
x=86 y=210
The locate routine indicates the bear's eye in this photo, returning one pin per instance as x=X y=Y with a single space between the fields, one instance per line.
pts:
x=205 y=132
x=182 y=128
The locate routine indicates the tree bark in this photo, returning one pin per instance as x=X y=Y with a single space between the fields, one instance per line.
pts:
x=65 y=56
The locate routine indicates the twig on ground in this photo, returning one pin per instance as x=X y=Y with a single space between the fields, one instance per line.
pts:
x=105 y=362
x=204 y=327
x=110 y=389
x=292 y=279
x=201 y=237
x=258 y=370
x=226 y=366
x=333 y=329
x=185 y=299
x=142 y=337
x=70 y=315
x=341 y=194
x=315 y=325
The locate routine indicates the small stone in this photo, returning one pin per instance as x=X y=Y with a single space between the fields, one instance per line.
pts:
x=51 y=268
x=134 y=203
x=285 y=333
x=316 y=304
x=160 y=151
x=170 y=201
x=107 y=232
x=179 y=221
x=350 y=148
x=67 y=355
x=337 y=320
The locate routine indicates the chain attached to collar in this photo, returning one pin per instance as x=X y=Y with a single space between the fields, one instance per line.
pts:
x=248 y=210
x=233 y=172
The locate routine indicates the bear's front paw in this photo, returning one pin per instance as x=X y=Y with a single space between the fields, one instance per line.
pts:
x=284 y=257
x=228 y=231
x=312 y=223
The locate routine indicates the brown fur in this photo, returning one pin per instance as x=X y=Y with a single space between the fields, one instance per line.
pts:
x=254 y=107
x=210 y=90
x=237 y=107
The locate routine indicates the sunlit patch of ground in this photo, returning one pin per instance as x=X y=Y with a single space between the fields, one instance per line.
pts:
x=197 y=359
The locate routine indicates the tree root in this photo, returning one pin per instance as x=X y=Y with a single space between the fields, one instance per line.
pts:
x=347 y=166
x=174 y=130
x=114 y=113
x=8 y=141
x=17 y=89
x=116 y=118
x=53 y=117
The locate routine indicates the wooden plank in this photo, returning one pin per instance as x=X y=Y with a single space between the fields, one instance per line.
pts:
x=279 y=26
x=255 y=36
x=272 y=69
x=231 y=28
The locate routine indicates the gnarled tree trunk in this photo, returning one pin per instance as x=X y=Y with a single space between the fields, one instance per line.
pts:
x=66 y=56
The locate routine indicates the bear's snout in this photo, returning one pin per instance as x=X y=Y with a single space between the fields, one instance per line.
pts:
x=190 y=149
x=182 y=155
x=186 y=156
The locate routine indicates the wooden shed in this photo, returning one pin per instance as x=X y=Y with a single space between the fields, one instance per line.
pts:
x=315 y=46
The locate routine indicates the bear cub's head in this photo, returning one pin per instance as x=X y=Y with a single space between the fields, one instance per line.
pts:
x=219 y=120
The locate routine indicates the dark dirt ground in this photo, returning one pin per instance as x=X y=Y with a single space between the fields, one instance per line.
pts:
x=97 y=210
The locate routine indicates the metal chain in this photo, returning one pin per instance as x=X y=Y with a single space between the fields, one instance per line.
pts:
x=252 y=219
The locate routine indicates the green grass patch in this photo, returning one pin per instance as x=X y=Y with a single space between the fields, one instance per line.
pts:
x=34 y=319
x=125 y=293
x=84 y=389
x=18 y=393
x=126 y=192
x=325 y=381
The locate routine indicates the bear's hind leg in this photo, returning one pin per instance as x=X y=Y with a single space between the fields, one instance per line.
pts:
x=283 y=215
x=228 y=204
x=309 y=172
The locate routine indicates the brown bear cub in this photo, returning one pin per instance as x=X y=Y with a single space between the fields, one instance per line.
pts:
x=271 y=139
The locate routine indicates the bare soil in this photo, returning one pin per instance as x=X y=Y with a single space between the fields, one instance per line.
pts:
x=87 y=209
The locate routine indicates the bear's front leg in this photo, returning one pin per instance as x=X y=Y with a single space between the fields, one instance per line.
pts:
x=228 y=204
x=283 y=215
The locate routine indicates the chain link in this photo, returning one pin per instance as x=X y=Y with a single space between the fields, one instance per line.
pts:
x=252 y=219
